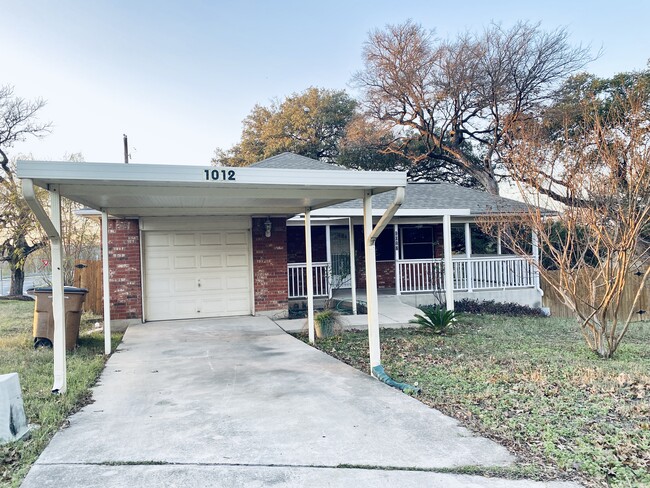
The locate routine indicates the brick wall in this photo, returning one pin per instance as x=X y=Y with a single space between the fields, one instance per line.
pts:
x=124 y=269
x=270 y=265
x=385 y=274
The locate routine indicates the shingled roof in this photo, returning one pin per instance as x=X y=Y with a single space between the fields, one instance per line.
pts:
x=440 y=195
x=288 y=160
x=419 y=195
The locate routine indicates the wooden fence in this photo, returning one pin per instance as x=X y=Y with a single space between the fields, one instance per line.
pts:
x=88 y=274
x=558 y=309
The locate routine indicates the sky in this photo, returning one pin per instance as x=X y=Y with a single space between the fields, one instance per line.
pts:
x=179 y=77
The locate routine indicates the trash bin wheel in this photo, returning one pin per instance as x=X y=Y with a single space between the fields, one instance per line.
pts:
x=42 y=342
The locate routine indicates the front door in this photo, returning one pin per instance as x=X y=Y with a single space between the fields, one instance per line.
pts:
x=340 y=249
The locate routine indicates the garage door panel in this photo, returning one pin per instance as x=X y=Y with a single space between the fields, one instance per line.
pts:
x=158 y=240
x=236 y=260
x=158 y=263
x=236 y=238
x=196 y=274
x=211 y=261
x=184 y=239
x=185 y=261
x=211 y=239
x=212 y=284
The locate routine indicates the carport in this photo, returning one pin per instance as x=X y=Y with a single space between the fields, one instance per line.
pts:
x=178 y=191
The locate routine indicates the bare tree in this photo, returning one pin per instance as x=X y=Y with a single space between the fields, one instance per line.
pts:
x=20 y=235
x=601 y=167
x=456 y=99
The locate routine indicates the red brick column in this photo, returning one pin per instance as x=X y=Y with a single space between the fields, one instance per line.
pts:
x=270 y=266
x=124 y=269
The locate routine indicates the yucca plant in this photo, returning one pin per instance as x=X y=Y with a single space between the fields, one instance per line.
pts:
x=437 y=319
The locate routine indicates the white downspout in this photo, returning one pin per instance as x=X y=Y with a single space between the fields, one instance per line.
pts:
x=106 y=285
x=52 y=226
x=310 y=276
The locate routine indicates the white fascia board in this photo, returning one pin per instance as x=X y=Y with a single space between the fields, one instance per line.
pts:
x=402 y=212
x=54 y=172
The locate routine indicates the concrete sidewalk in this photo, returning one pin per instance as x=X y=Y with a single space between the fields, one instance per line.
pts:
x=237 y=402
x=393 y=313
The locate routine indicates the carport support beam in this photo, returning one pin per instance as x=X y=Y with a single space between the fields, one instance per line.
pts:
x=371 y=283
x=310 y=276
x=106 y=285
x=353 y=266
x=58 y=297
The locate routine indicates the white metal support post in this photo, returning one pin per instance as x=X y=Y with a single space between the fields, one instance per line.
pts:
x=535 y=251
x=371 y=283
x=58 y=297
x=468 y=255
x=398 y=277
x=449 y=265
x=353 y=266
x=310 y=276
x=106 y=285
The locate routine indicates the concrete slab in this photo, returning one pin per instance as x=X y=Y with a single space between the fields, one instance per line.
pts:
x=191 y=402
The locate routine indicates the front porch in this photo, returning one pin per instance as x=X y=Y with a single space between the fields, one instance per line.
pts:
x=418 y=264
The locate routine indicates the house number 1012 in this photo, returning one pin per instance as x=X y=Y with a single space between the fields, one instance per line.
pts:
x=219 y=174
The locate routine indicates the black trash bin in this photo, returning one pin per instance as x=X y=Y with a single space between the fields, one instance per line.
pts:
x=44 y=318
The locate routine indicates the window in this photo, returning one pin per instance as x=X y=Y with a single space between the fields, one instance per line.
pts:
x=417 y=242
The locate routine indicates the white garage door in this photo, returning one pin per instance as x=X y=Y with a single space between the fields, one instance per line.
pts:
x=190 y=274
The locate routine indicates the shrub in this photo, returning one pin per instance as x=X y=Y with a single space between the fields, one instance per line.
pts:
x=496 y=308
x=437 y=319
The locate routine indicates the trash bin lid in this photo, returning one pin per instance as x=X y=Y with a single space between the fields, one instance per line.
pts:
x=66 y=289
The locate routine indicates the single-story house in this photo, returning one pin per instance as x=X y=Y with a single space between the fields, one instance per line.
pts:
x=184 y=242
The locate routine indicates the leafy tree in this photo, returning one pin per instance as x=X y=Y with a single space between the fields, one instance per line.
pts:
x=20 y=235
x=310 y=123
x=447 y=104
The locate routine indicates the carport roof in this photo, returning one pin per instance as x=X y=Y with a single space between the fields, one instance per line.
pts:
x=148 y=190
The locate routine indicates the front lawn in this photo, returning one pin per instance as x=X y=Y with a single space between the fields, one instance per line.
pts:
x=35 y=369
x=532 y=385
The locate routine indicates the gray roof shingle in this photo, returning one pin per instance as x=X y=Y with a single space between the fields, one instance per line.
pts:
x=440 y=195
x=289 y=160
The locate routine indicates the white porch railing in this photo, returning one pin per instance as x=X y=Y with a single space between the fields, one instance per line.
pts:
x=297 y=274
x=485 y=273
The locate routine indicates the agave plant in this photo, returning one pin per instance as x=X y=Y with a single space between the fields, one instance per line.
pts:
x=436 y=319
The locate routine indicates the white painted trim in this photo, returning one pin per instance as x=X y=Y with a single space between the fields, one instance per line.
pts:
x=195 y=223
x=106 y=285
x=251 y=265
x=58 y=297
x=143 y=319
x=388 y=214
x=310 y=276
x=41 y=215
x=182 y=175
x=402 y=212
x=535 y=253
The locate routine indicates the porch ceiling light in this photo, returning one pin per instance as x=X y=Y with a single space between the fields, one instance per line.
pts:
x=267 y=227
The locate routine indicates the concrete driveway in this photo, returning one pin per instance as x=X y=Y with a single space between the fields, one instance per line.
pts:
x=237 y=402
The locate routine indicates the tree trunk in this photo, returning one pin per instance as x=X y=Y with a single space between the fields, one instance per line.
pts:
x=17 y=281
